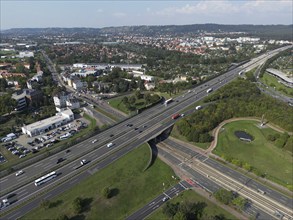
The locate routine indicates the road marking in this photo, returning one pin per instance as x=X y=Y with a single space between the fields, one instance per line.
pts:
x=181 y=184
x=47 y=196
x=73 y=181
x=48 y=166
x=53 y=158
x=21 y=191
x=3 y=180
x=40 y=164
x=14 y=215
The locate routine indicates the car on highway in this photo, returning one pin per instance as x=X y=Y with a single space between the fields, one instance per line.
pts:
x=18 y=173
x=60 y=160
x=67 y=151
x=110 y=144
x=165 y=198
x=94 y=141
x=111 y=135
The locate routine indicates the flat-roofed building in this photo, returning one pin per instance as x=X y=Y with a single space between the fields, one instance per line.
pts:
x=40 y=127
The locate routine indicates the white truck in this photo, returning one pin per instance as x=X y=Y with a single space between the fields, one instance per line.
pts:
x=9 y=200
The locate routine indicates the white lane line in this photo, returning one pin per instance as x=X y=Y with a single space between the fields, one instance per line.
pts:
x=47 y=196
x=40 y=164
x=48 y=166
x=15 y=215
x=3 y=180
x=53 y=158
x=73 y=181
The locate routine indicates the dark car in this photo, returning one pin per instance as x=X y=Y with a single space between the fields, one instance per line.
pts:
x=67 y=151
x=60 y=160
x=111 y=135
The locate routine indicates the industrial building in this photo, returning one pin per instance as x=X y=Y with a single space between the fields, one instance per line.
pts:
x=40 y=127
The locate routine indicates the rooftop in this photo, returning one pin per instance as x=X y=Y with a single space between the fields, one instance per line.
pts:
x=48 y=121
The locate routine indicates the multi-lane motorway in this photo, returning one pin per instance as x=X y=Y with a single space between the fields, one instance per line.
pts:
x=217 y=174
x=148 y=124
x=159 y=201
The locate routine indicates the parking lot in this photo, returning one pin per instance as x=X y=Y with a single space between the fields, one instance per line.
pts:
x=24 y=145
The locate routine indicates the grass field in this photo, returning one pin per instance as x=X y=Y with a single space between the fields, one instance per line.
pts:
x=132 y=189
x=117 y=103
x=273 y=82
x=260 y=153
x=209 y=211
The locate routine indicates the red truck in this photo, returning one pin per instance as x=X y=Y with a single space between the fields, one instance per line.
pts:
x=175 y=116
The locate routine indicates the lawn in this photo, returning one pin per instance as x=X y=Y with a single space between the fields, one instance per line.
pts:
x=273 y=82
x=117 y=103
x=132 y=188
x=209 y=211
x=260 y=153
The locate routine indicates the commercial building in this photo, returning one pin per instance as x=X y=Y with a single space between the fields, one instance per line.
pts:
x=40 y=127
x=26 y=54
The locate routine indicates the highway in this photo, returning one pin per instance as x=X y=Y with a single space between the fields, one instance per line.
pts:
x=233 y=180
x=159 y=201
x=149 y=124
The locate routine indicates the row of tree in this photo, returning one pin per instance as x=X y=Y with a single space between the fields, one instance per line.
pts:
x=240 y=98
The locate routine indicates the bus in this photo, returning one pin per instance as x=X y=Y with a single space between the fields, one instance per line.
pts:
x=45 y=178
x=168 y=101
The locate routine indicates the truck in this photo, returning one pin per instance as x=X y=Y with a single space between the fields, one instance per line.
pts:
x=9 y=200
x=175 y=116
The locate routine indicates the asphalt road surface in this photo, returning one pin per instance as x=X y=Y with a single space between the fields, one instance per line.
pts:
x=149 y=124
x=159 y=201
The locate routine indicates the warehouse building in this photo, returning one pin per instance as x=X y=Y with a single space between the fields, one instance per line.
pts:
x=40 y=127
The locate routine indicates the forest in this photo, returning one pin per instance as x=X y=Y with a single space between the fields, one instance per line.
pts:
x=240 y=98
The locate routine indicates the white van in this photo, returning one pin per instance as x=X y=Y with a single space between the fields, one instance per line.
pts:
x=110 y=145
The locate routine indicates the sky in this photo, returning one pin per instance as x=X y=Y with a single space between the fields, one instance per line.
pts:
x=98 y=14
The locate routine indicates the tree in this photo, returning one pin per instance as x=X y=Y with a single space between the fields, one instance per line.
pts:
x=77 y=205
x=170 y=209
x=224 y=196
x=138 y=94
x=45 y=204
x=239 y=202
x=132 y=100
x=179 y=216
x=106 y=192
x=3 y=85
x=63 y=217
x=19 y=68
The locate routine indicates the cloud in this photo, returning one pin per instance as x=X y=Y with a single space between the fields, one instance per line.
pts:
x=100 y=10
x=214 y=8
x=119 y=14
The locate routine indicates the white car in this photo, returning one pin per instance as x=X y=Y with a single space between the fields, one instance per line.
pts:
x=19 y=173
x=165 y=198
x=22 y=155
x=94 y=141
